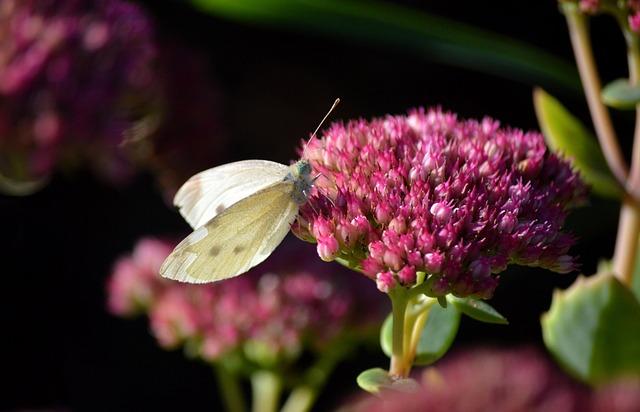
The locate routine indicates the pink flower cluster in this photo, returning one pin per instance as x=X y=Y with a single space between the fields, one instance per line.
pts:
x=86 y=81
x=290 y=303
x=634 y=15
x=71 y=75
x=428 y=193
x=630 y=8
x=505 y=381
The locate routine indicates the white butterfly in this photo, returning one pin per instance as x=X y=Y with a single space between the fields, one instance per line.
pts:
x=240 y=212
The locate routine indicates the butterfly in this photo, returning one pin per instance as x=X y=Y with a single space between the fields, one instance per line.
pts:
x=240 y=213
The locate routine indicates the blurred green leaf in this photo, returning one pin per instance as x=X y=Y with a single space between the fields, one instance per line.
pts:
x=621 y=95
x=14 y=187
x=394 y=25
x=374 y=380
x=565 y=134
x=478 y=310
x=437 y=335
x=593 y=329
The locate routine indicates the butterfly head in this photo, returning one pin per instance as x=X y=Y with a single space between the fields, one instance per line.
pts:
x=300 y=175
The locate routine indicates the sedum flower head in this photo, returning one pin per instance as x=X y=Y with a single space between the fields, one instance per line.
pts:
x=289 y=304
x=503 y=380
x=428 y=193
x=73 y=74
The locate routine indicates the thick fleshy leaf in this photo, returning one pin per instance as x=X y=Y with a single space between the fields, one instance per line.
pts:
x=374 y=380
x=478 y=310
x=620 y=94
x=384 y=23
x=437 y=335
x=565 y=134
x=593 y=329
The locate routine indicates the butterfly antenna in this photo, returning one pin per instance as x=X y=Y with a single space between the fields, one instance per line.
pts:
x=333 y=106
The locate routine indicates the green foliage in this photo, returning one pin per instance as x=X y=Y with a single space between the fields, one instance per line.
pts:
x=392 y=25
x=593 y=329
x=373 y=380
x=478 y=310
x=565 y=134
x=620 y=94
x=377 y=379
x=435 y=339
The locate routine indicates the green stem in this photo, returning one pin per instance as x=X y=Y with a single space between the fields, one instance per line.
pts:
x=399 y=301
x=303 y=396
x=266 y=387
x=629 y=221
x=230 y=390
x=624 y=256
x=578 y=30
x=300 y=399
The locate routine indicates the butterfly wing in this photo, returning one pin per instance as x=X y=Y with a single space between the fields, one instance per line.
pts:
x=210 y=192
x=236 y=239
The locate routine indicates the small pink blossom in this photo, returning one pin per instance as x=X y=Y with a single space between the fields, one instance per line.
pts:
x=501 y=380
x=634 y=21
x=272 y=312
x=456 y=199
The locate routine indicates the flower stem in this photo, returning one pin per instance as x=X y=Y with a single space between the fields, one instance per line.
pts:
x=303 y=396
x=266 y=387
x=300 y=399
x=230 y=390
x=629 y=224
x=591 y=82
x=399 y=301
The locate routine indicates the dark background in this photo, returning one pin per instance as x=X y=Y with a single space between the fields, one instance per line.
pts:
x=61 y=349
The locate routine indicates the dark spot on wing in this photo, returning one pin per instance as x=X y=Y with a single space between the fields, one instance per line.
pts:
x=215 y=251
x=220 y=209
x=238 y=249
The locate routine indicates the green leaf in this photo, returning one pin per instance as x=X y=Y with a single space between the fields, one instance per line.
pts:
x=374 y=380
x=437 y=335
x=565 y=134
x=395 y=26
x=620 y=94
x=478 y=310
x=593 y=329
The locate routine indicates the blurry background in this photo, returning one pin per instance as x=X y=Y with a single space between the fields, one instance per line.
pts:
x=60 y=348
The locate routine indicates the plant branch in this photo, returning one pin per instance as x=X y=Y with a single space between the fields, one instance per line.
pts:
x=230 y=390
x=399 y=301
x=591 y=82
x=629 y=224
x=266 y=387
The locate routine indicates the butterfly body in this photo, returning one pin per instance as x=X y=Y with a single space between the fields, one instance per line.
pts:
x=240 y=213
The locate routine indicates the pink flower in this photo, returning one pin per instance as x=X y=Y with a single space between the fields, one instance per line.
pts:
x=503 y=381
x=72 y=74
x=590 y=6
x=427 y=192
x=634 y=21
x=289 y=303
x=132 y=286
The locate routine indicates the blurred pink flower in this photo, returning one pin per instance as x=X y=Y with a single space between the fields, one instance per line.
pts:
x=132 y=286
x=72 y=75
x=87 y=82
x=288 y=304
x=427 y=192
x=503 y=381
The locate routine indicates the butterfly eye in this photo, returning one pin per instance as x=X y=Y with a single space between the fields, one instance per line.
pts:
x=304 y=168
